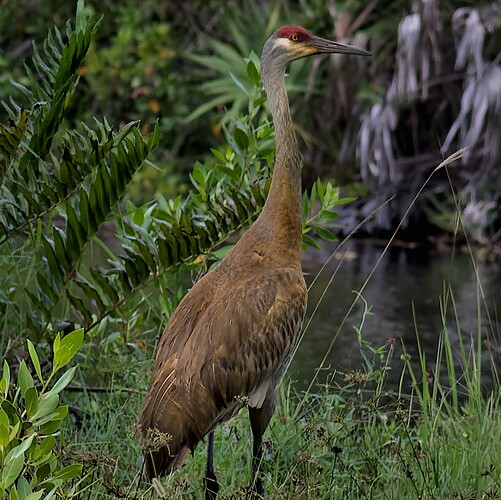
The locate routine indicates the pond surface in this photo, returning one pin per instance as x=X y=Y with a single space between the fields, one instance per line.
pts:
x=405 y=280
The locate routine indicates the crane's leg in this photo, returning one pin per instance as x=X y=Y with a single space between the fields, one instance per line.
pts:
x=259 y=419
x=210 y=480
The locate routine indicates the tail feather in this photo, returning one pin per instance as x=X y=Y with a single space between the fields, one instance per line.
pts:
x=161 y=462
x=174 y=420
x=159 y=441
x=165 y=426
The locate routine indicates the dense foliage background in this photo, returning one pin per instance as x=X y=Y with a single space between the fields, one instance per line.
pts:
x=378 y=126
x=135 y=143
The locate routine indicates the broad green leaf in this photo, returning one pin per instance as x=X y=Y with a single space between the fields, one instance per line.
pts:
x=69 y=472
x=11 y=410
x=57 y=342
x=308 y=240
x=325 y=234
x=52 y=422
x=19 y=449
x=4 y=418
x=61 y=358
x=342 y=201
x=241 y=138
x=253 y=73
x=31 y=402
x=11 y=470
x=198 y=176
x=45 y=447
x=4 y=435
x=46 y=406
x=23 y=487
x=320 y=191
x=313 y=197
x=53 y=491
x=45 y=470
x=24 y=378
x=14 y=431
x=66 y=348
x=36 y=495
x=327 y=214
x=63 y=381
x=5 y=382
x=217 y=154
x=13 y=494
x=35 y=360
x=304 y=206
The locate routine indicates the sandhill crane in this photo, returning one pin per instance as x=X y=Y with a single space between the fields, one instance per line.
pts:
x=231 y=338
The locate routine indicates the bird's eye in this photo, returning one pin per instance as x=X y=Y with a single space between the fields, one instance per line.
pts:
x=294 y=37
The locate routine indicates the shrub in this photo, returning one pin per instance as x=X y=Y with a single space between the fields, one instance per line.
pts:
x=30 y=417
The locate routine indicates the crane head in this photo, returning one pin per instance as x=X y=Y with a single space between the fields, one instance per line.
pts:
x=289 y=43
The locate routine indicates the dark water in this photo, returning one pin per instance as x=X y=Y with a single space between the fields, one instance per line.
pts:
x=404 y=279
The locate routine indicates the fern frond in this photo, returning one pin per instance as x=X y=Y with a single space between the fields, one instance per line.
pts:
x=84 y=212
x=194 y=232
x=26 y=164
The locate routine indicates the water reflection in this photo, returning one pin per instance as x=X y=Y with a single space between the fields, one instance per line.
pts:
x=403 y=279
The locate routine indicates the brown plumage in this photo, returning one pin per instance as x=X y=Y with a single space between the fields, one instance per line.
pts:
x=231 y=338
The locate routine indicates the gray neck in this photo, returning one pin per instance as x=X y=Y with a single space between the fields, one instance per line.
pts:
x=281 y=215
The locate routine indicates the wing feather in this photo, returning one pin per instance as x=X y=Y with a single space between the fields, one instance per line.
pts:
x=215 y=353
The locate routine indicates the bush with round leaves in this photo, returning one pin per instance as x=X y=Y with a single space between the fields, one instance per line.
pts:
x=30 y=418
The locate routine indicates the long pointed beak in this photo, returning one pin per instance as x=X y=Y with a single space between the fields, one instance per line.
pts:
x=324 y=46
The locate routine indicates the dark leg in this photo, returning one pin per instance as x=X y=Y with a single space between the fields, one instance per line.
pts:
x=259 y=419
x=210 y=480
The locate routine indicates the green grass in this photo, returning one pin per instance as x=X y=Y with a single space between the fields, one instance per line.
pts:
x=349 y=438
x=438 y=436
x=335 y=448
